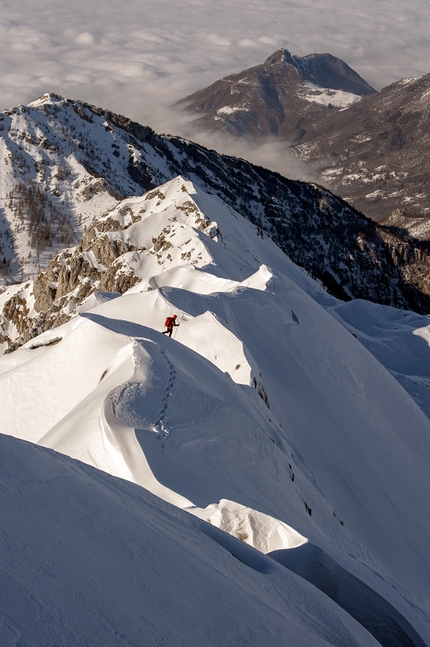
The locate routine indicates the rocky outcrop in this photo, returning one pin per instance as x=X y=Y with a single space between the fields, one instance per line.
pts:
x=68 y=280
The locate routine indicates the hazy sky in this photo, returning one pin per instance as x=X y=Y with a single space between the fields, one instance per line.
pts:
x=137 y=57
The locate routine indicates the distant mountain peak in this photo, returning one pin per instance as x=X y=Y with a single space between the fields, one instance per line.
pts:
x=324 y=70
x=283 y=96
x=370 y=147
x=280 y=56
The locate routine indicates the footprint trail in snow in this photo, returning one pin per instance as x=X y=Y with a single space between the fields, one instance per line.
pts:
x=162 y=430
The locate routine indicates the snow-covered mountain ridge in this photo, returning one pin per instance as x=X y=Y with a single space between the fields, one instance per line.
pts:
x=263 y=415
x=171 y=578
x=64 y=163
x=139 y=237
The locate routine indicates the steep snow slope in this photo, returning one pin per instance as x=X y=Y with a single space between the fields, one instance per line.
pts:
x=262 y=414
x=94 y=561
x=399 y=339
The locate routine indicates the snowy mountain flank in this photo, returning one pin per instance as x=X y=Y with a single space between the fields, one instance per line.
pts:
x=260 y=478
x=65 y=165
x=376 y=155
x=369 y=147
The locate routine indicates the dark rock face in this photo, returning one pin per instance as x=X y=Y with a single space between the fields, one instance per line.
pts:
x=324 y=70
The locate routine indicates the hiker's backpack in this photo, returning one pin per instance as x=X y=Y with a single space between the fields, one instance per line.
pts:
x=169 y=322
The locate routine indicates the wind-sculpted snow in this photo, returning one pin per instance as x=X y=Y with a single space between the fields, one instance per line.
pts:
x=361 y=602
x=255 y=528
x=59 y=375
x=262 y=413
x=91 y=560
x=399 y=339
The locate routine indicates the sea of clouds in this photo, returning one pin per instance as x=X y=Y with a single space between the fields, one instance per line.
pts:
x=137 y=57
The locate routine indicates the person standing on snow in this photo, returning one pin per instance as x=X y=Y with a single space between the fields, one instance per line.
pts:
x=170 y=324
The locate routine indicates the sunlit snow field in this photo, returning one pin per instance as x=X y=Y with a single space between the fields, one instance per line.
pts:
x=264 y=415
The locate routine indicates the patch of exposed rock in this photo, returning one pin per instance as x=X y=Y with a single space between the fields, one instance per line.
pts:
x=71 y=277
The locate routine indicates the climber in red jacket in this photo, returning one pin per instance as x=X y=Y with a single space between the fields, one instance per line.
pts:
x=170 y=324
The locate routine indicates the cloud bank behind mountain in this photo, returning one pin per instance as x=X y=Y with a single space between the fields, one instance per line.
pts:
x=137 y=58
